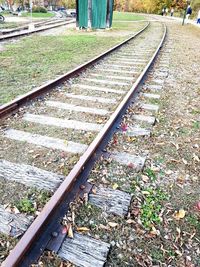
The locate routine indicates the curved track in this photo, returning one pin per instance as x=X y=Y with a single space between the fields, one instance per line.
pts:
x=91 y=104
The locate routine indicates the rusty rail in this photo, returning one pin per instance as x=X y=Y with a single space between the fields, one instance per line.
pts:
x=15 y=257
x=27 y=32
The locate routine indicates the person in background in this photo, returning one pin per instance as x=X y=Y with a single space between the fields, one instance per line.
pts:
x=188 y=13
x=198 y=17
x=172 y=12
x=166 y=11
x=163 y=11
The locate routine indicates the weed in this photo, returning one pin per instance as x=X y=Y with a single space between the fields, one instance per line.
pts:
x=65 y=171
x=171 y=253
x=161 y=173
x=152 y=206
x=39 y=196
x=193 y=221
x=132 y=187
x=197 y=262
x=25 y=205
x=195 y=111
x=87 y=213
x=151 y=174
x=162 y=120
x=196 y=125
x=159 y=160
x=183 y=131
x=172 y=165
x=157 y=255
x=154 y=101
x=43 y=197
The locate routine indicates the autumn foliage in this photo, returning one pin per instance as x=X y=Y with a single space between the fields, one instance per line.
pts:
x=148 y=6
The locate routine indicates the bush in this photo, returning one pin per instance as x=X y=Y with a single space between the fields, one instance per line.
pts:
x=39 y=9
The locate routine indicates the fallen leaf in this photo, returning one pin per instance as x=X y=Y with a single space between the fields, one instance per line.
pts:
x=82 y=229
x=73 y=217
x=178 y=252
x=94 y=190
x=135 y=211
x=154 y=231
x=15 y=210
x=36 y=156
x=179 y=234
x=115 y=186
x=131 y=139
x=99 y=120
x=145 y=193
x=168 y=172
x=129 y=221
x=70 y=231
x=104 y=181
x=124 y=127
x=63 y=154
x=115 y=141
x=195 y=157
x=85 y=198
x=104 y=227
x=131 y=165
x=112 y=224
x=198 y=206
x=145 y=178
x=179 y=214
x=185 y=161
x=176 y=145
x=181 y=179
x=64 y=230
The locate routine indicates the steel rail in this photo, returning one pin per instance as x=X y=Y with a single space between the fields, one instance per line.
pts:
x=25 y=27
x=15 y=35
x=15 y=257
x=16 y=103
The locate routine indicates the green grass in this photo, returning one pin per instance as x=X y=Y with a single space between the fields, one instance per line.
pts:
x=38 y=15
x=151 y=174
x=8 y=25
x=127 y=16
x=196 y=125
x=37 y=59
x=25 y=205
x=151 y=207
x=34 y=60
x=118 y=25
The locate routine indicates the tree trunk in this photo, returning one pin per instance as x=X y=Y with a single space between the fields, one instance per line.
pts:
x=127 y=6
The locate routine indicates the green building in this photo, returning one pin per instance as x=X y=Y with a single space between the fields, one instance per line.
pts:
x=96 y=14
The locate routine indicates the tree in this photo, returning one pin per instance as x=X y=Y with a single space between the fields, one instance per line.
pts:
x=69 y=3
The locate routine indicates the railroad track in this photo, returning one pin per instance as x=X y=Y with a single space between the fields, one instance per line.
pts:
x=52 y=144
x=38 y=27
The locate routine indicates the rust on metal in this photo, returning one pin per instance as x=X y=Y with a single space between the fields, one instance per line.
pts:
x=10 y=108
x=15 y=35
x=85 y=190
x=16 y=255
